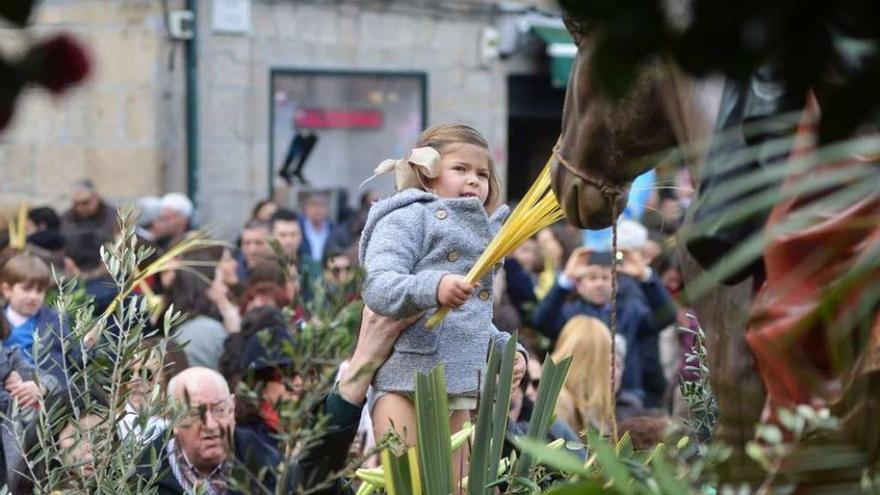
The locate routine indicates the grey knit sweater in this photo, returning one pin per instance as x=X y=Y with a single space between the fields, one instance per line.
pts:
x=410 y=241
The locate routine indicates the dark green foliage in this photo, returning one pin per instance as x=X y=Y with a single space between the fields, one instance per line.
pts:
x=831 y=45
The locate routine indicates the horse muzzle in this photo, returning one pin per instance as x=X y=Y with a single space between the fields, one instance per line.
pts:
x=585 y=205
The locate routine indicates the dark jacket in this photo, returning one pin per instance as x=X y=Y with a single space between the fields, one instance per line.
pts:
x=338 y=238
x=520 y=286
x=103 y=290
x=310 y=269
x=103 y=225
x=260 y=430
x=658 y=310
x=327 y=455
x=52 y=360
x=252 y=455
x=554 y=311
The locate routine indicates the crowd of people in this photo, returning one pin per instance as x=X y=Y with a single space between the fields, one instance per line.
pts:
x=555 y=291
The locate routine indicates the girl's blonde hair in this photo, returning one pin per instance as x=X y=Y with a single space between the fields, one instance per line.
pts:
x=588 y=341
x=442 y=136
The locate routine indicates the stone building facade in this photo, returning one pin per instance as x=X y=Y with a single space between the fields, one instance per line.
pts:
x=126 y=127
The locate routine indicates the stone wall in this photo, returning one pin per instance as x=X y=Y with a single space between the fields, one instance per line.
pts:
x=111 y=128
x=125 y=128
x=235 y=82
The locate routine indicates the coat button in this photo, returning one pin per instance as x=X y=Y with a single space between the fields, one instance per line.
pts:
x=484 y=295
x=452 y=256
x=441 y=214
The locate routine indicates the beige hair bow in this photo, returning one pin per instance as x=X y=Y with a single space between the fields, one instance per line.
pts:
x=405 y=175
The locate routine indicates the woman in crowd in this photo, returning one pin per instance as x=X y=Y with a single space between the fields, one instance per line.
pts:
x=585 y=400
x=202 y=334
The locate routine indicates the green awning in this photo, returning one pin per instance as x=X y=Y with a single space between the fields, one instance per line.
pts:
x=561 y=50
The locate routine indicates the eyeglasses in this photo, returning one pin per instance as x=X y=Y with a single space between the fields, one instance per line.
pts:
x=198 y=414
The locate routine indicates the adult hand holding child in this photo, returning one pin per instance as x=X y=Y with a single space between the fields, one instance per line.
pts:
x=375 y=342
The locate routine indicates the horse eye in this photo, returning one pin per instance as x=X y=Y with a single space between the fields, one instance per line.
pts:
x=578 y=28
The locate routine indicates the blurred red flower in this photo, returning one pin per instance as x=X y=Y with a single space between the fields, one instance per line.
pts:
x=63 y=63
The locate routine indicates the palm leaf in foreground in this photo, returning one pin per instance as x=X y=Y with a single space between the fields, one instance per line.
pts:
x=432 y=428
x=492 y=419
x=552 y=378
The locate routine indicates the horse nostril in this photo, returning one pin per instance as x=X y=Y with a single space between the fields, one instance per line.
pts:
x=571 y=196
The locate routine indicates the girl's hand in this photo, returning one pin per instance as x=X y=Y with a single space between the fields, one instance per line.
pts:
x=454 y=290
x=26 y=393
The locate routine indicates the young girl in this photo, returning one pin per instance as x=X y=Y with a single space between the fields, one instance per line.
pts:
x=417 y=247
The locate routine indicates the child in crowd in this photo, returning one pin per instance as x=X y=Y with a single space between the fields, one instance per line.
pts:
x=586 y=277
x=584 y=288
x=23 y=282
x=417 y=247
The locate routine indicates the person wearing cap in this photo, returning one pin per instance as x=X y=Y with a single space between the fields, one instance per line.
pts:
x=89 y=214
x=174 y=219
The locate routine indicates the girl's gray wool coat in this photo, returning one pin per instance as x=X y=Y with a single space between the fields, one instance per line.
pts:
x=410 y=241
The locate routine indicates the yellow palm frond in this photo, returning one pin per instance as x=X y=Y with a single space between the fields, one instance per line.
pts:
x=17 y=230
x=538 y=209
x=167 y=261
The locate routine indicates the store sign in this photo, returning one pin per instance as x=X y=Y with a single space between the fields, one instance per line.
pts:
x=318 y=118
x=231 y=16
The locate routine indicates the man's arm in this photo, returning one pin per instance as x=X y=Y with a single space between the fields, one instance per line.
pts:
x=342 y=407
x=659 y=301
x=547 y=317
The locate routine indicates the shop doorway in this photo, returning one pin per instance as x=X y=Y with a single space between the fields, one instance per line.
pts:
x=533 y=124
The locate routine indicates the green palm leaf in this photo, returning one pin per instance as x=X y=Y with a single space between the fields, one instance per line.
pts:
x=432 y=420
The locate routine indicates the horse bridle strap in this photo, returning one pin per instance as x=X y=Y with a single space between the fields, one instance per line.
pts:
x=606 y=188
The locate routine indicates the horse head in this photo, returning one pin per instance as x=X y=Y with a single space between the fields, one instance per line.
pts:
x=606 y=144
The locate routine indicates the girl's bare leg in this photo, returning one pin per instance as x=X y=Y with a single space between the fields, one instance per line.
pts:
x=395 y=412
x=460 y=457
x=399 y=411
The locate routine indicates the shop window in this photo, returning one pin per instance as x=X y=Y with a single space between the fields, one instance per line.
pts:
x=340 y=125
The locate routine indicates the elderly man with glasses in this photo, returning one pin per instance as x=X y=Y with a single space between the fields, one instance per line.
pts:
x=206 y=451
